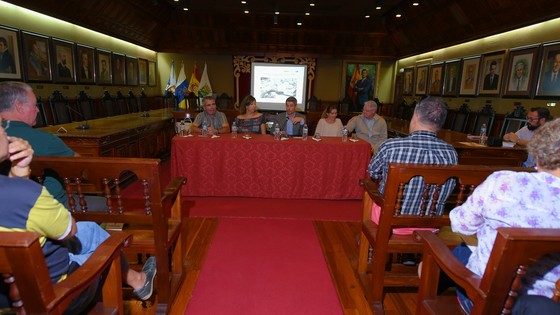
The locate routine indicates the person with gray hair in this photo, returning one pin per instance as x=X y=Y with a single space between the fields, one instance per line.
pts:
x=215 y=120
x=520 y=200
x=369 y=126
x=422 y=146
x=18 y=109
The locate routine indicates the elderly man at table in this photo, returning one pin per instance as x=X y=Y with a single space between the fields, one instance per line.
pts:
x=369 y=126
x=18 y=109
x=538 y=116
x=216 y=121
x=422 y=146
x=290 y=121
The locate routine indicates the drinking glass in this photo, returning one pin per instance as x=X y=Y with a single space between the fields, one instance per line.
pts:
x=317 y=136
x=355 y=136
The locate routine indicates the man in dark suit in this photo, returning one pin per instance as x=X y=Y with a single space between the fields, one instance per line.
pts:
x=491 y=79
x=63 y=70
x=290 y=121
x=551 y=78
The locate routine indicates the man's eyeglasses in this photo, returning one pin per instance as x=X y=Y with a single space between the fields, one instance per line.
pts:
x=532 y=118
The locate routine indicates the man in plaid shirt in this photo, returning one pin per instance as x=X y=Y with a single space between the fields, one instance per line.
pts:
x=422 y=146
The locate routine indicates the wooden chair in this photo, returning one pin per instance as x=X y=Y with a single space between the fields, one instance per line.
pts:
x=144 y=106
x=41 y=120
x=31 y=291
x=133 y=103
x=493 y=293
x=59 y=107
x=85 y=106
x=108 y=104
x=485 y=116
x=384 y=270
x=193 y=101
x=461 y=118
x=121 y=107
x=153 y=216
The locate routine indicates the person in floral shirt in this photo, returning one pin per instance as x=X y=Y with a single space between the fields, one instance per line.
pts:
x=517 y=199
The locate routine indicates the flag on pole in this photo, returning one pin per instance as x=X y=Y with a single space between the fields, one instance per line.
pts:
x=182 y=88
x=356 y=76
x=205 y=87
x=172 y=82
x=195 y=81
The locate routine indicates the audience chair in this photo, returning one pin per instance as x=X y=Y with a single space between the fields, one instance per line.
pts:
x=152 y=212
x=383 y=268
x=144 y=107
x=224 y=101
x=60 y=108
x=461 y=118
x=85 y=106
x=121 y=106
x=132 y=103
x=495 y=291
x=108 y=104
x=31 y=291
x=193 y=101
x=41 y=120
x=485 y=116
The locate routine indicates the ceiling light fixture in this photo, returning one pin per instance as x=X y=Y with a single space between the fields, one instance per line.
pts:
x=246 y=11
x=299 y=23
x=378 y=7
x=185 y=9
x=415 y=3
x=307 y=13
x=398 y=15
x=243 y=2
x=311 y=3
x=367 y=16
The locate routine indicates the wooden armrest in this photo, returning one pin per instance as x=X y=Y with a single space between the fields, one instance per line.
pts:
x=99 y=261
x=372 y=188
x=448 y=263
x=174 y=185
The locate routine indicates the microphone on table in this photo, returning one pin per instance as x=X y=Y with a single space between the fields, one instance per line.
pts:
x=83 y=126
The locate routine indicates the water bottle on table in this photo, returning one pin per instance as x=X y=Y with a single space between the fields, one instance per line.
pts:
x=305 y=132
x=188 y=123
x=483 y=134
x=204 y=129
x=234 y=130
x=344 y=134
x=276 y=131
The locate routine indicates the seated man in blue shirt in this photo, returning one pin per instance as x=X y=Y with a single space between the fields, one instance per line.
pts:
x=290 y=121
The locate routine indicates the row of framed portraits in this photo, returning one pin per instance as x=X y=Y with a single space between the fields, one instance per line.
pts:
x=39 y=58
x=523 y=72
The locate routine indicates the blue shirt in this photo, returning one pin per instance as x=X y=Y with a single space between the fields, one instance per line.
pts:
x=420 y=147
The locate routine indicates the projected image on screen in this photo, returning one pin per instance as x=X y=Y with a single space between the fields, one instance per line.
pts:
x=272 y=84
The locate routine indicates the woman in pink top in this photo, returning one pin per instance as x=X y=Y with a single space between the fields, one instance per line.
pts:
x=329 y=125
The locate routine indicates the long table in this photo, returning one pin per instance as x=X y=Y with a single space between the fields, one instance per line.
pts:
x=470 y=152
x=129 y=135
x=264 y=167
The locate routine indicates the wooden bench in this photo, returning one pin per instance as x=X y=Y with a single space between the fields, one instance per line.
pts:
x=493 y=293
x=382 y=268
x=153 y=216
x=31 y=291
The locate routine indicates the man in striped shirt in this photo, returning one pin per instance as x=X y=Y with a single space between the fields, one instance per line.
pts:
x=422 y=146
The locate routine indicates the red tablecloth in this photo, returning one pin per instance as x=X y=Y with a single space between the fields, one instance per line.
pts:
x=264 y=167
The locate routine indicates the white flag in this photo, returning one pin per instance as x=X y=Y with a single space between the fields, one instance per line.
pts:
x=205 y=88
x=172 y=82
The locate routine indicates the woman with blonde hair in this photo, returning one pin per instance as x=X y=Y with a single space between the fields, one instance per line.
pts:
x=249 y=120
x=329 y=125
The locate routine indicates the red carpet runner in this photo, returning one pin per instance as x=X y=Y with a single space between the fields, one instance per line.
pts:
x=264 y=266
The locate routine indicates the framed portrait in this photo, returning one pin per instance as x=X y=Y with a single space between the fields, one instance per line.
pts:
x=491 y=73
x=549 y=74
x=36 y=57
x=520 y=71
x=118 y=66
x=64 y=70
x=152 y=73
x=360 y=82
x=103 y=61
x=142 y=71
x=131 y=70
x=469 y=76
x=421 y=80
x=408 y=82
x=10 y=62
x=85 y=65
x=436 y=82
x=451 y=78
